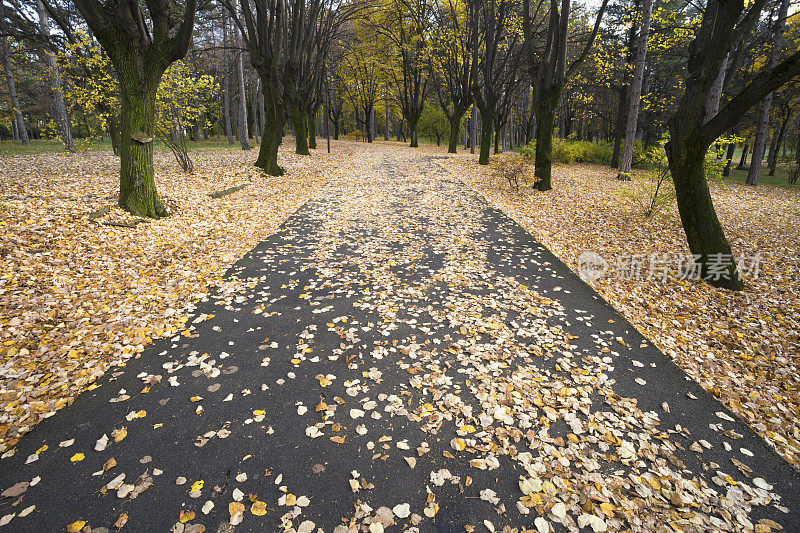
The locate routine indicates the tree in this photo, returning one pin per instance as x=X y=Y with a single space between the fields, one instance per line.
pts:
x=454 y=60
x=406 y=24
x=59 y=107
x=90 y=86
x=548 y=67
x=760 y=140
x=5 y=57
x=497 y=64
x=724 y=23
x=287 y=41
x=635 y=92
x=181 y=101
x=140 y=53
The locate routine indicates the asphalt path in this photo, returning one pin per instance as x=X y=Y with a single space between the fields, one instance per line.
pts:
x=399 y=357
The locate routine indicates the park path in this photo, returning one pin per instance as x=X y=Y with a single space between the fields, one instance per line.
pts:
x=398 y=357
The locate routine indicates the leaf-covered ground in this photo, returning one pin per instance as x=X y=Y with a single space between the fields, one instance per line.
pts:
x=397 y=356
x=742 y=347
x=77 y=296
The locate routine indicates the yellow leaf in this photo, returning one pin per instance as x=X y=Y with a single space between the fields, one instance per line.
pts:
x=76 y=526
x=259 y=508
x=121 y=521
x=186 y=516
x=259 y=412
x=608 y=509
x=324 y=382
x=196 y=486
x=119 y=434
x=235 y=507
x=77 y=457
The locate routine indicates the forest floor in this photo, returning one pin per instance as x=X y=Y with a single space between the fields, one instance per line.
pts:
x=742 y=347
x=397 y=355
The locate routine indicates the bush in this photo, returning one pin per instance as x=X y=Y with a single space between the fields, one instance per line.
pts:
x=568 y=151
x=513 y=170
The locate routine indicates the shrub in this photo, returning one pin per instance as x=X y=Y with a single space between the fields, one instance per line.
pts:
x=513 y=169
x=568 y=151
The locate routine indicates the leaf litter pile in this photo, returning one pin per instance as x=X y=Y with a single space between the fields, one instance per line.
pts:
x=393 y=360
x=742 y=347
x=77 y=295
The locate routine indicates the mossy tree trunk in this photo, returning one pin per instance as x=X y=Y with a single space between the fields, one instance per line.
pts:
x=140 y=55
x=300 y=126
x=273 y=132
x=545 y=122
x=455 y=130
x=692 y=132
x=487 y=121
x=137 y=187
x=312 y=127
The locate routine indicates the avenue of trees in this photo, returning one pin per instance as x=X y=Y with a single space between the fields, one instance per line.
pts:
x=699 y=80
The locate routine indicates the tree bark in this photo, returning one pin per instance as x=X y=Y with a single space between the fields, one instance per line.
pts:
x=473 y=130
x=12 y=86
x=455 y=130
x=137 y=192
x=760 y=141
x=273 y=132
x=59 y=107
x=773 y=159
x=545 y=122
x=728 y=158
x=242 y=113
x=622 y=121
x=743 y=158
x=312 y=128
x=487 y=125
x=300 y=127
x=636 y=93
x=386 y=105
x=226 y=93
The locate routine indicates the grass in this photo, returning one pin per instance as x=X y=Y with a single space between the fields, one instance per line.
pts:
x=40 y=146
x=10 y=148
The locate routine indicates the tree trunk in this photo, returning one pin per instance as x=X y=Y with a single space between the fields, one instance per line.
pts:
x=635 y=94
x=487 y=125
x=300 y=127
x=242 y=126
x=743 y=159
x=412 y=130
x=704 y=232
x=371 y=128
x=12 y=86
x=545 y=121
x=386 y=105
x=256 y=113
x=272 y=134
x=137 y=190
x=455 y=130
x=715 y=94
x=114 y=132
x=760 y=141
x=226 y=93
x=728 y=158
x=59 y=107
x=473 y=129
x=773 y=159
x=312 y=129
